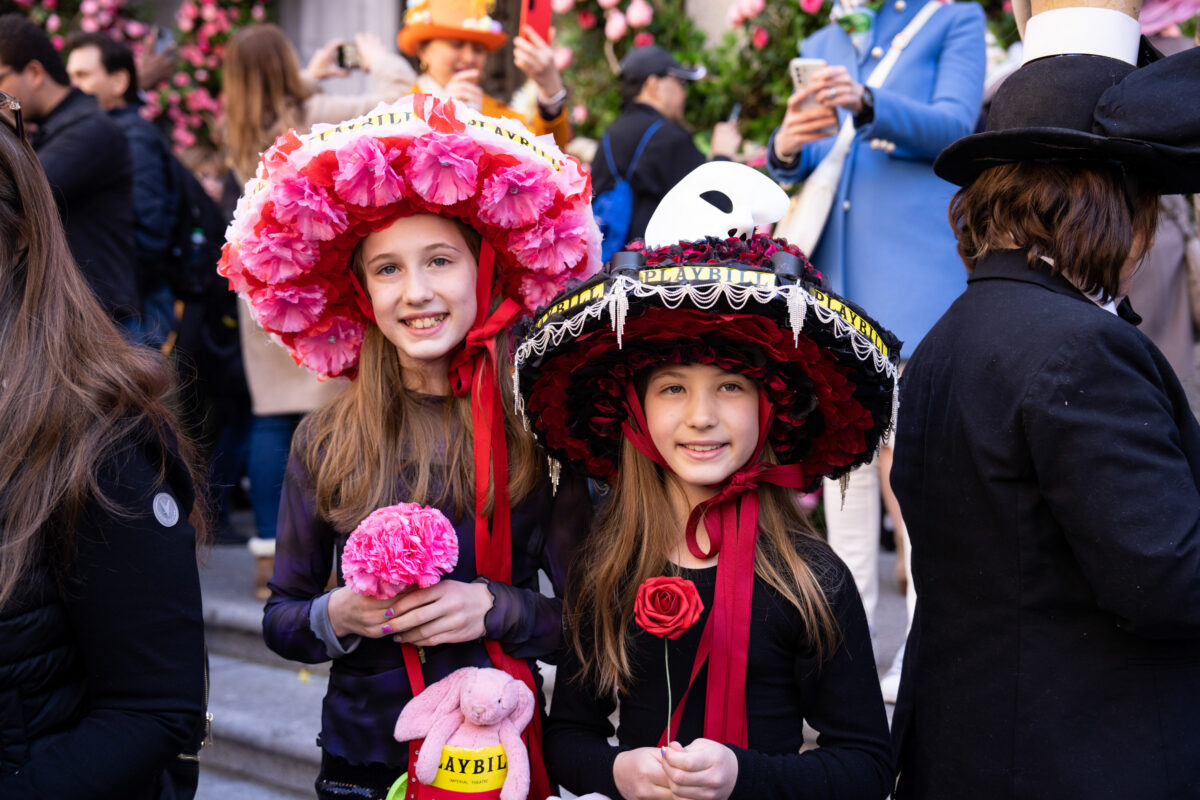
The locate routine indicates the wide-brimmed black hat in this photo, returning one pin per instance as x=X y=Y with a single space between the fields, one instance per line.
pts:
x=749 y=305
x=1092 y=109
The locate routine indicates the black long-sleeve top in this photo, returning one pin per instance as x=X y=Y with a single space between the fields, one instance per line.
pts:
x=785 y=686
x=108 y=686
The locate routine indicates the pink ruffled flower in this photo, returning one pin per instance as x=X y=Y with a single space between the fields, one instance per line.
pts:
x=289 y=308
x=586 y=19
x=734 y=17
x=549 y=250
x=615 y=25
x=397 y=547
x=514 y=197
x=330 y=347
x=561 y=6
x=444 y=170
x=579 y=114
x=280 y=256
x=754 y=7
x=365 y=176
x=760 y=38
x=298 y=203
x=811 y=6
x=607 y=4
x=639 y=14
x=643 y=39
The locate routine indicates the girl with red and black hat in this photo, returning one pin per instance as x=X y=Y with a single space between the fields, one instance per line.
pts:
x=395 y=249
x=706 y=382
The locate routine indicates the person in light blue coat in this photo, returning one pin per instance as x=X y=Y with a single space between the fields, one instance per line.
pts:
x=887 y=244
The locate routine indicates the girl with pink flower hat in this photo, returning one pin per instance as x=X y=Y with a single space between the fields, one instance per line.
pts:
x=395 y=250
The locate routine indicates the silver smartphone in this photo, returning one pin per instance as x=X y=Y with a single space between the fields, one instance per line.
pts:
x=802 y=70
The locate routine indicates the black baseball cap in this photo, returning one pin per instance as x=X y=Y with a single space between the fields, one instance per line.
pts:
x=643 y=62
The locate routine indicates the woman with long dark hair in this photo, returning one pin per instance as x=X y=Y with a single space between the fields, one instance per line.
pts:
x=101 y=635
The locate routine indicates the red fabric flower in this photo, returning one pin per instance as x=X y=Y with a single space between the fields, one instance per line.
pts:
x=666 y=607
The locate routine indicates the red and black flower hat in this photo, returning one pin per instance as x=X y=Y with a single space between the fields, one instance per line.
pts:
x=752 y=305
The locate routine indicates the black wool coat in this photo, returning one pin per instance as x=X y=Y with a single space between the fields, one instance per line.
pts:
x=1047 y=466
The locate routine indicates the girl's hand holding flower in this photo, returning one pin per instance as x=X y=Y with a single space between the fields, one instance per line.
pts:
x=394 y=549
x=704 y=770
x=451 y=611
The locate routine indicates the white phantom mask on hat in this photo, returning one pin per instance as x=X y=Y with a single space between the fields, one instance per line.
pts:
x=720 y=198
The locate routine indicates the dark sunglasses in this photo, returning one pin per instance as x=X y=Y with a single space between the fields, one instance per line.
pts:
x=14 y=105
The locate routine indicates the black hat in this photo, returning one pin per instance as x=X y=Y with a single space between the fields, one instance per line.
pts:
x=643 y=62
x=1092 y=109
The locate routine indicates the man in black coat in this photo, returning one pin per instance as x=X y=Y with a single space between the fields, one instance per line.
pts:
x=86 y=161
x=1047 y=463
x=654 y=90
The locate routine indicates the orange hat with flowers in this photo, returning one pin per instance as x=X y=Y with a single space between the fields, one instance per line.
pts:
x=464 y=20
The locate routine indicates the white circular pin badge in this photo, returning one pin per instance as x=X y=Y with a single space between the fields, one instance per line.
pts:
x=166 y=510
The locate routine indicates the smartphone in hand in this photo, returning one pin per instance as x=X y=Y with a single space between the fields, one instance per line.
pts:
x=536 y=14
x=803 y=70
x=347 y=57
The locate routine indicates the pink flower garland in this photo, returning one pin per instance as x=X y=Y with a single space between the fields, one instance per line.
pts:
x=397 y=547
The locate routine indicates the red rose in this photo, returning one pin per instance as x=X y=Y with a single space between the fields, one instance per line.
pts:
x=666 y=607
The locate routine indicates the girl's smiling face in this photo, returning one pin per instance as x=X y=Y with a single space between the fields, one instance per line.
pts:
x=704 y=422
x=420 y=275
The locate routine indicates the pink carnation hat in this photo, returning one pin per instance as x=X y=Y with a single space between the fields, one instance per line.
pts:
x=316 y=196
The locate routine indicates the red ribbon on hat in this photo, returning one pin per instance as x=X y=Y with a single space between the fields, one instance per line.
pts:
x=476 y=366
x=725 y=641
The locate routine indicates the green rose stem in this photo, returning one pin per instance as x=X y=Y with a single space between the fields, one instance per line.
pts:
x=667 y=663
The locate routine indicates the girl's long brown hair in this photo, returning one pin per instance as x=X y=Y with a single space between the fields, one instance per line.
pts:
x=264 y=94
x=72 y=390
x=376 y=431
x=633 y=541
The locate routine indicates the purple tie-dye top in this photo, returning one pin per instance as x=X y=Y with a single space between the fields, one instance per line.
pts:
x=368 y=685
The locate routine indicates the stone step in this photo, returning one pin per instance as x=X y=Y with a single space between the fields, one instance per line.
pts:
x=265 y=723
x=217 y=784
x=232 y=615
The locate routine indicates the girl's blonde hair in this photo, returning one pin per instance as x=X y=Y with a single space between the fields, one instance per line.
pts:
x=633 y=541
x=264 y=94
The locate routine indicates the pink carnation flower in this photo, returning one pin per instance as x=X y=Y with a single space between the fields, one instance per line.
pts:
x=308 y=208
x=444 y=170
x=548 y=250
x=397 y=547
x=365 y=176
x=811 y=6
x=289 y=308
x=514 y=197
x=330 y=347
x=281 y=255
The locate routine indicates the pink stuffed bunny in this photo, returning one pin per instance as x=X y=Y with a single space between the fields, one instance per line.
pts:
x=471 y=708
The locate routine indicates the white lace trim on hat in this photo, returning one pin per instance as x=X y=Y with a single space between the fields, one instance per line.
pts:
x=615 y=303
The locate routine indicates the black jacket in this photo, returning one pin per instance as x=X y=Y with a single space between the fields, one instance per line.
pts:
x=670 y=155
x=155 y=196
x=87 y=162
x=102 y=674
x=1047 y=466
